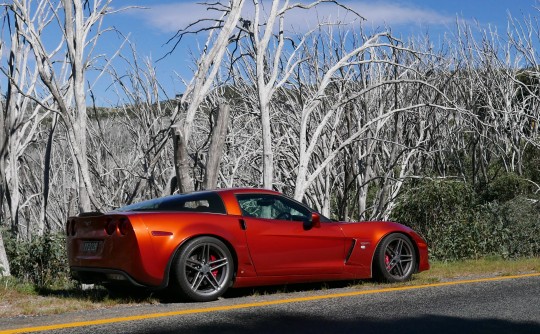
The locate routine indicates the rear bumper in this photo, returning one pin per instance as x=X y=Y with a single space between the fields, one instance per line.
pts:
x=90 y=275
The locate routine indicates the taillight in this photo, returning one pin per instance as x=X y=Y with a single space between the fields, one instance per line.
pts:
x=110 y=227
x=124 y=226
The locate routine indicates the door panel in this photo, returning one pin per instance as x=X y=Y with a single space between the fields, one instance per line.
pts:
x=280 y=245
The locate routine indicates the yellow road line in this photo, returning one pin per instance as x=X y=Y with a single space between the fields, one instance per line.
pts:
x=252 y=305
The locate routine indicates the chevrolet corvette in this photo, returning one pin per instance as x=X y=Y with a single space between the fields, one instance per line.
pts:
x=202 y=243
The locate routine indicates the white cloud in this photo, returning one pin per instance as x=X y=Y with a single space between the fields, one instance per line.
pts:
x=170 y=18
x=391 y=14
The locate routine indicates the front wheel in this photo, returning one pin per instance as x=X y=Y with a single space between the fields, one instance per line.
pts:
x=395 y=259
x=203 y=269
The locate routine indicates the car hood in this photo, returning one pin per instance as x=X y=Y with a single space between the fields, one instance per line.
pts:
x=374 y=228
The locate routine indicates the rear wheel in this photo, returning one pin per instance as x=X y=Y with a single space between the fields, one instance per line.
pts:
x=395 y=259
x=203 y=269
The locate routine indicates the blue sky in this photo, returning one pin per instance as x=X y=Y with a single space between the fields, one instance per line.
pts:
x=150 y=28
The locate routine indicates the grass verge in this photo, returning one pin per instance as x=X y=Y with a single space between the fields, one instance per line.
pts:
x=445 y=271
x=18 y=299
x=21 y=299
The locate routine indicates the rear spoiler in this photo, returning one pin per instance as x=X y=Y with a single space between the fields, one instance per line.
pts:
x=90 y=214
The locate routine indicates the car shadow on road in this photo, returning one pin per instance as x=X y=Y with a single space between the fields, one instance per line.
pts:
x=290 y=288
x=129 y=294
x=166 y=297
x=98 y=294
x=279 y=322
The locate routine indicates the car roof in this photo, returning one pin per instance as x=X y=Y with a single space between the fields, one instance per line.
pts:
x=246 y=190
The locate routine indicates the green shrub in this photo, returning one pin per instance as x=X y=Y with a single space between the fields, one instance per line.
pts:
x=430 y=205
x=505 y=187
x=42 y=262
x=521 y=218
x=531 y=163
x=457 y=227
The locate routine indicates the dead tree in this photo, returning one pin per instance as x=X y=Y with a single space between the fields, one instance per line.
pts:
x=269 y=62
x=207 y=68
x=80 y=25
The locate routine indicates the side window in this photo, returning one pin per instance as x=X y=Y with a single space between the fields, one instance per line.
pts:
x=289 y=210
x=202 y=202
x=249 y=206
x=271 y=207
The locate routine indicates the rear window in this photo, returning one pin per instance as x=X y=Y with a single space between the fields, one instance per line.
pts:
x=194 y=202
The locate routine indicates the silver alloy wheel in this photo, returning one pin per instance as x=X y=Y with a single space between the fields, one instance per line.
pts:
x=394 y=259
x=206 y=268
x=398 y=258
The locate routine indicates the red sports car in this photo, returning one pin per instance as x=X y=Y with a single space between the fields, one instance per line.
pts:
x=200 y=244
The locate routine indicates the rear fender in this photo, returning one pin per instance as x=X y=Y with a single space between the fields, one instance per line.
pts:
x=235 y=242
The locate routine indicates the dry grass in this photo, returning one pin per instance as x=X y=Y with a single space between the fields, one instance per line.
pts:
x=482 y=267
x=18 y=299
x=468 y=269
x=24 y=300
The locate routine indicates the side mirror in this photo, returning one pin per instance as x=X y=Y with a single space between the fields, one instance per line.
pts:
x=315 y=221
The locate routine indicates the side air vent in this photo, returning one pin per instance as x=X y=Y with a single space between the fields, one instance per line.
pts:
x=349 y=253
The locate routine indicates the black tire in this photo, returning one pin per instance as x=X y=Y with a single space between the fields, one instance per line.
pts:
x=203 y=269
x=394 y=259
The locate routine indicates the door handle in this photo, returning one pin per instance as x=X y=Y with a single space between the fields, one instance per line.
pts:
x=243 y=225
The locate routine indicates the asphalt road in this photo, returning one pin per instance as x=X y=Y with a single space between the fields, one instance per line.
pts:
x=501 y=306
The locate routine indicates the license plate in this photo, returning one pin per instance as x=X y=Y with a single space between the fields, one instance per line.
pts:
x=90 y=246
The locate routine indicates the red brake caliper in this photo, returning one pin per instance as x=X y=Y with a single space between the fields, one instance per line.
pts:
x=212 y=259
x=386 y=260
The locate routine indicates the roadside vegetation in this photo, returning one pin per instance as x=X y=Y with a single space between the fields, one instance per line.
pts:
x=23 y=299
x=460 y=222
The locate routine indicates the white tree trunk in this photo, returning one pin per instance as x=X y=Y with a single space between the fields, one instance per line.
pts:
x=4 y=263
x=215 y=151
x=207 y=69
x=76 y=31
